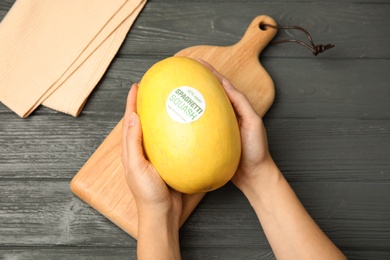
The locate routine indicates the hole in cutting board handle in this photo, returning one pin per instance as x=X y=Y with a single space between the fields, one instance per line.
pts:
x=263 y=26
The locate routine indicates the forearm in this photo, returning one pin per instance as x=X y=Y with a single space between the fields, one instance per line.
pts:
x=290 y=230
x=158 y=237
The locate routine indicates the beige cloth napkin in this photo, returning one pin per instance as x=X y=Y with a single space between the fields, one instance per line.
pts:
x=55 y=52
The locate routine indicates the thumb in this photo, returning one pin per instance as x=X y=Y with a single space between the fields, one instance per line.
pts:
x=133 y=140
x=239 y=101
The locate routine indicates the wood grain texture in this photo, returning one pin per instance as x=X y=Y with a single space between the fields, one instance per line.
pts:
x=328 y=130
x=341 y=88
x=45 y=213
x=329 y=149
x=351 y=26
x=247 y=253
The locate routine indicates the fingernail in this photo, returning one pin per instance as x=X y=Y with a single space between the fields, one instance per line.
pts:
x=226 y=83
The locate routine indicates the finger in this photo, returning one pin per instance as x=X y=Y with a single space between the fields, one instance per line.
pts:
x=239 y=101
x=218 y=75
x=131 y=104
x=130 y=107
x=134 y=149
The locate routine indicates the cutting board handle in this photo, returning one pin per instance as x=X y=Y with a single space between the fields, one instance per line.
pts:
x=255 y=38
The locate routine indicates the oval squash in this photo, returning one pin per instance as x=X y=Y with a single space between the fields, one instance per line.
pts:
x=190 y=131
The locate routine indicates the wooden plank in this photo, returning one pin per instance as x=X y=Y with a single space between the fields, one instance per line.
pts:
x=325 y=88
x=338 y=150
x=306 y=149
x=5 y=5
x=107 y=253
x=127 y=253
x=44 y=213
x=49 y=146
x=166 y=27
x=71 y=252
x=160 y=33
x=330 y=88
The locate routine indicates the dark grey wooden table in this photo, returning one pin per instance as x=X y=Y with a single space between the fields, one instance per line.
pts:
x=329 y=132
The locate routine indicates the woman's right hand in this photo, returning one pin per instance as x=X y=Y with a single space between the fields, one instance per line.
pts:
x=290 y=230
x=255 y=157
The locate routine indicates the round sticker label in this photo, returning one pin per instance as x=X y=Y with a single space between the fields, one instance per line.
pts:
x=185 y=104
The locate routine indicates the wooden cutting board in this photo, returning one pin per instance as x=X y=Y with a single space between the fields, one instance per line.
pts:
x=101 y=182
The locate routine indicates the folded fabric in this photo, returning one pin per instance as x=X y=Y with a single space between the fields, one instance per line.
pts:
x=55 y=52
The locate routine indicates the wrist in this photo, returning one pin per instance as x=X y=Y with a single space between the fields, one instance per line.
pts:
x=157 y=218
x=157 y=226
x=158 y=235
x=263 y=180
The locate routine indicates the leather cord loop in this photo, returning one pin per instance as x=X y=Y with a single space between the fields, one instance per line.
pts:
x=315 y=49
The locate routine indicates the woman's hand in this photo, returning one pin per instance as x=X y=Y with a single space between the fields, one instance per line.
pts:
x=159 y=207
x=291 y=231
x=255 y=156
x=149 y=190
